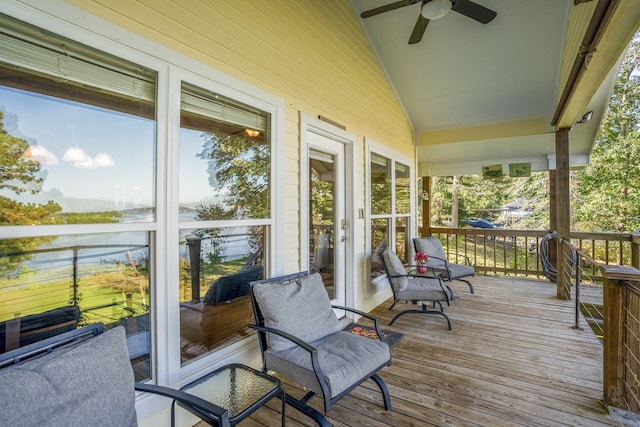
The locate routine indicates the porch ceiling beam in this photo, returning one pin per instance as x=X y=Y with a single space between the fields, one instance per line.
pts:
x=613 y=24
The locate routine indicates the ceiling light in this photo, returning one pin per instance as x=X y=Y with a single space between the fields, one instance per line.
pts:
x=586 y=117
x=436 y=9
x=252 y=132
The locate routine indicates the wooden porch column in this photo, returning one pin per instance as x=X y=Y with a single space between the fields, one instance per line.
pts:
x=563 y=214
x=426 y=207
x=553 y=217
x=635 y=250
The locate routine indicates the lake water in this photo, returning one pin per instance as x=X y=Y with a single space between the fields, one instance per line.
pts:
x=112 y=248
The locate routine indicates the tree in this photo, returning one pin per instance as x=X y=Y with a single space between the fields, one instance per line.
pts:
x=19 y=174
x=609 y=190
x=240 y=166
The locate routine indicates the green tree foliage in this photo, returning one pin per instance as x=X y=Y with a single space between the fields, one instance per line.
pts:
x=20 y=175
x=322 y=196
x=241 y=166
x=609 y=190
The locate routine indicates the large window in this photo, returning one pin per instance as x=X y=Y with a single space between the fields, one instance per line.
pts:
x=390 y=208
x=77 y=146
x=225 y=164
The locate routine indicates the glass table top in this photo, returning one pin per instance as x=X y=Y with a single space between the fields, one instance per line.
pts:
x=234 y=387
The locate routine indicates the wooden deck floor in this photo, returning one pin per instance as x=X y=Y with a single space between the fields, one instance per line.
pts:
x=512 y=359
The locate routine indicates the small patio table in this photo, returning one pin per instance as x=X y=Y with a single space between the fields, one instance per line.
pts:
x=239 y=389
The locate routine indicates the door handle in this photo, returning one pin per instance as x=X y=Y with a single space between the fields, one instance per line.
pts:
x=343 y=238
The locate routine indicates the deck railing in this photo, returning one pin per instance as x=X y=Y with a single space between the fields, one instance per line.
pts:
x=520 y=252
x=609 y=298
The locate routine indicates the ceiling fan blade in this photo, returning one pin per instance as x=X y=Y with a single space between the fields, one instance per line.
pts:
x=474 y=11
x=388 y=7
x=418 y=29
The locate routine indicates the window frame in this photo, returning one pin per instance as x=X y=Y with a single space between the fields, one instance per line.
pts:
x=372 y=146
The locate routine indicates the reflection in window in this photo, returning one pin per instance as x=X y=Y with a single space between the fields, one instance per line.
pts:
x=380 y=173
x=402 y=188
x=322 y=219
x=225 y=157
x=50 y=285
x=216 y=266
x=77 y=137
x=379 y=232
x=402 y=249
x=77 y=132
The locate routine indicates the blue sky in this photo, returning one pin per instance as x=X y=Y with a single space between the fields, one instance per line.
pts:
x=58 y=125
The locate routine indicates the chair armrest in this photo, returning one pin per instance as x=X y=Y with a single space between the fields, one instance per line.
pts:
x=353 y=310
x=466 y=257
x=446 y=261
x=286 y=335
x=189 y=400
x=375 y=320
x=441 y=282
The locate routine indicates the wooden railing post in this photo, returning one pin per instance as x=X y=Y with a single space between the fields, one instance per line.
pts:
x=614 y=330
x=426 y=207
x=563 y=215
x=635 y=250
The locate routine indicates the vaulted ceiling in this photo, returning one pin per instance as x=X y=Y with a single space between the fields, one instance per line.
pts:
x=480 y=94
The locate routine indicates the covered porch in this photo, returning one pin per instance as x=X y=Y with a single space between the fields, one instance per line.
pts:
x=512 y=358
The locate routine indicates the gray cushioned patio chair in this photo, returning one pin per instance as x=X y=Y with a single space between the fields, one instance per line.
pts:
x=81 y=378
x=301 y=339
x=439 y=264
x=410 y=288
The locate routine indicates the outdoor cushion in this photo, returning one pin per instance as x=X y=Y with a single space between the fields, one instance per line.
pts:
x=432 y=247
x=88 y=384
x=344 y=358
x=286 y=307
x=396 y=269
x=461 y=270
x=422 y=289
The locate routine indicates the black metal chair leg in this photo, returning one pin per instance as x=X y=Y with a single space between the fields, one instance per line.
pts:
x=320 y=419
x=468 y=283
x=383 y=390
x=424 y=311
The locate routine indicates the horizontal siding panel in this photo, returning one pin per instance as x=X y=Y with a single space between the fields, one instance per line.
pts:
x=301 y=51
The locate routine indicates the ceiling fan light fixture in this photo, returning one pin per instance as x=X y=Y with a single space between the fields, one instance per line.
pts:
x=435 y=9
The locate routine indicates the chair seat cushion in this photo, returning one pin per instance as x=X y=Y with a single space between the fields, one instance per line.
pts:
x=88 y=384
x=461 y=270
x=422 y=289
x=345 y=359
x=300 y=307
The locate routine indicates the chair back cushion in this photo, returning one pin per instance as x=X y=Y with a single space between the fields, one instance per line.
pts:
x=432 y=247
x=395 y=269
x=87 y=384
x=376 y=256
x=300 y=307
